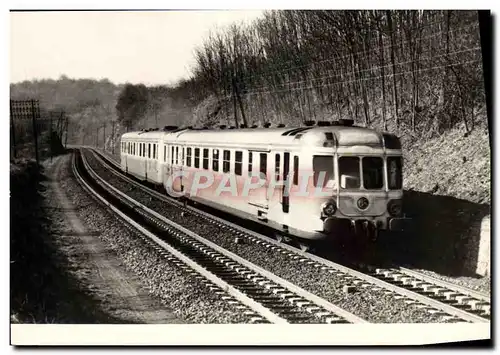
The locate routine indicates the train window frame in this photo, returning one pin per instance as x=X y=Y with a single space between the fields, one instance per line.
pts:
x=238 y=164
x=320 y=159
x=296 y=162
x=277 y=167
x=396 y=158
x=154 y=151
x=226 y=161
x=263 y=167
x=250 y=163
x=215 y=160
x=197 y=158
x=340 y=169
x=205 y=163
x=189 y=156
x=381 y=172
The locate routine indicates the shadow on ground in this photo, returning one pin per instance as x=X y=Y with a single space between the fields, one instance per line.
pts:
x=445 y=238
x=41 y=289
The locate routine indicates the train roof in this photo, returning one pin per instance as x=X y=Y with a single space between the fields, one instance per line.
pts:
x=342 y=135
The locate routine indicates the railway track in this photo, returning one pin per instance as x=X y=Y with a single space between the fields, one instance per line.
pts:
x=264 y=297
x=435 y=296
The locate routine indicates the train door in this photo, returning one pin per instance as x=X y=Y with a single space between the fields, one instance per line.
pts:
x=259 y=197
x=181 y=165
x=156 y=154
x=285 y=189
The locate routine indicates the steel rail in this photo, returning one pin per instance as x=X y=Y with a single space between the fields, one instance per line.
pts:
x=256 y=269
x=446 y=284
x=241 y=297
x=320 y=262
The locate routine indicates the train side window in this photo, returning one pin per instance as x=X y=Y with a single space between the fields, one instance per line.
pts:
x=395 y=173
x=226 y=162
x=176 y=155
x=196 y=157
x=154 y=150
x=295 y=170
x=277 y=166
x=215 y=160
x=183 y=154
x=250 y=167
x=238 y=163
x=323 y=171
x=205 y=158
x=263 y=165
x=188 y=157
x=149 y=150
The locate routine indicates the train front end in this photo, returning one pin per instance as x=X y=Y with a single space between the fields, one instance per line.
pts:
x=359 y=172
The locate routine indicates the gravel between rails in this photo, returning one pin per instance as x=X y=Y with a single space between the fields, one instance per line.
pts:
x=377 y=306
x=184 y=294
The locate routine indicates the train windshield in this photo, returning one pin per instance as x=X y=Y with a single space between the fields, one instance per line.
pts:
x=323 y=171
x=373 y=173
x=395 y=173
x=349 y=173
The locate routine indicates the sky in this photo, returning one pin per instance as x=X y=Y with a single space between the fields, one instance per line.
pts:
x=137 y=47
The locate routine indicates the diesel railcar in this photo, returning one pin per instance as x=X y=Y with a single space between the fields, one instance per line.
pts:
x=314 y=182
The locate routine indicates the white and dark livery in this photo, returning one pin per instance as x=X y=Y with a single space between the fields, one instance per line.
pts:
x=357 y=170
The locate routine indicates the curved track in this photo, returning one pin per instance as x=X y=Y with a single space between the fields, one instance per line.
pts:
x=429 y=293
x=268 y=296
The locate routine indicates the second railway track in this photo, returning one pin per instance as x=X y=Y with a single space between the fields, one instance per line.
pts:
x=440 y=301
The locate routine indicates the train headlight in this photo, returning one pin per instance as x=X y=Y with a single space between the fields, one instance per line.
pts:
x=329 y=208
x=395 y=207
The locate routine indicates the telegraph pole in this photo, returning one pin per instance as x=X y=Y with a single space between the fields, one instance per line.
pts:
x=34 y=114
x=13 y=131
x=113 y=137
x=50 y=137
x=104 y=137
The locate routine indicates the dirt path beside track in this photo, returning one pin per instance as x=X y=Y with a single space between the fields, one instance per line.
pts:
x=93 y=263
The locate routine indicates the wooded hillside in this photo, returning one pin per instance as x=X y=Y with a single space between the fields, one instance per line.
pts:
x=412 y=72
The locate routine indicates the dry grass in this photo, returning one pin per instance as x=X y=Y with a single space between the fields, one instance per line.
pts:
x=453 y=165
